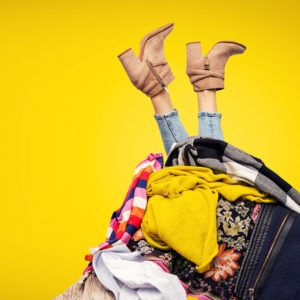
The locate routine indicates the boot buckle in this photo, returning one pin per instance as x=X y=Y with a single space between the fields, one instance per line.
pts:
x=206 y=63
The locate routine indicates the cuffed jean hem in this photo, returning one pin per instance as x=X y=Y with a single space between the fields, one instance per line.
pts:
x=209 y=125
x=171 y=129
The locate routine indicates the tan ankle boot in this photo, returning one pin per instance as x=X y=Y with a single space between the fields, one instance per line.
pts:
x=150 y=73
x=207 y=72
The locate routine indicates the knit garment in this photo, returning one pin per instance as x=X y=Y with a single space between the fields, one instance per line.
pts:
x=127 y=219
x=223 y=157
x=181 y=210
x=89 y=288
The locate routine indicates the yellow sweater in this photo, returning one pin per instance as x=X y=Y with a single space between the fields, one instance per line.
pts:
x=181 y=210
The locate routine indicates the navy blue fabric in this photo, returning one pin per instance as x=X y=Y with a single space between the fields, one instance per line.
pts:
x=279 y=212
x=284 y=280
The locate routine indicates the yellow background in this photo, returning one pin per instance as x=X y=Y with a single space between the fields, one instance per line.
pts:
x=73 y=127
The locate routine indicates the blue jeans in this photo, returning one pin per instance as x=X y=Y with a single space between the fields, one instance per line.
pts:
x=172 y=130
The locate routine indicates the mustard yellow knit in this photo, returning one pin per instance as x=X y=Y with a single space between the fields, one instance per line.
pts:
x=181 y=210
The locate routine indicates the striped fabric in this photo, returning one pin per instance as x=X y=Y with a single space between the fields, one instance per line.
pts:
x=223 y=157
x=127 y=219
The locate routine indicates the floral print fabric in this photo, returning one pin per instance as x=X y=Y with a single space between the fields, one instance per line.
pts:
x=235 y=223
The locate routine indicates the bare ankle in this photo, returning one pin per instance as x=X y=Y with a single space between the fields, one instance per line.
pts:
x=162 y=103
x=207 y=101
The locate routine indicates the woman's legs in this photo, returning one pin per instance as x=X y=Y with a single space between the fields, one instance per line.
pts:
x=170 y=126
x=168 y=121
x=206 y=73
x=209 y=120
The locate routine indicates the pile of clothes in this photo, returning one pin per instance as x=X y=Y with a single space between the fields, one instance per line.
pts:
x=209 y=224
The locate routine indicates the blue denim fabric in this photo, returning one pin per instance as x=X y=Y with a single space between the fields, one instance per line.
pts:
x=209 y=125
x=172 y=130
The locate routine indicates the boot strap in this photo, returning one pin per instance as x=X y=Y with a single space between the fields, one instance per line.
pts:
x=152 y=69
x=196 y=75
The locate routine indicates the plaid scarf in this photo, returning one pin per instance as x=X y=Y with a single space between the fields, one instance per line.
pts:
x=127 y=219
x=225 y=158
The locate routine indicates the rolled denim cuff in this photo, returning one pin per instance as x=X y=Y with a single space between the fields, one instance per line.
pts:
x=209 y=125
x=163 y=116
x=209 y=114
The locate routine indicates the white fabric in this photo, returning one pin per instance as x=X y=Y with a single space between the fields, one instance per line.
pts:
x=131 y=277
x=239 y=172
x=140 y=202
x=290 y=203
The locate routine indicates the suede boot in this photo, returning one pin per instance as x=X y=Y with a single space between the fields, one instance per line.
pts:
x=149 y=72
x=207 y=72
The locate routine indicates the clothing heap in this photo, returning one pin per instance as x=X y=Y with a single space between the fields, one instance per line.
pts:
x=210 y=224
